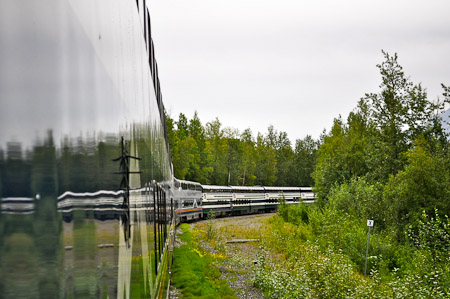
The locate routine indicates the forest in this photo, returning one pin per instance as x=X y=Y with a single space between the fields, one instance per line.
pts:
x=217 y=155
x=389 y=161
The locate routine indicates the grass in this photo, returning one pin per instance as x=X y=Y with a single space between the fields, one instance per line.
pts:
x=195 y=271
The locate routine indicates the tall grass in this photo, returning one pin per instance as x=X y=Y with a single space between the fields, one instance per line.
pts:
x=195 y=273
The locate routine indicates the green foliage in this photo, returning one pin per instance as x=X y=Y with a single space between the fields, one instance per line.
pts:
x=294 y=213
x=211 y=229
x=194 y=272
x=266 y=160
x=325 y=259
x=310 y=274
x=401 y=110
x=431 y=234
x=212 y=154
x=331 y=167
x=247 y=164
x=375 y=139
x=305 y=160
x=424 y=184
x=283 y=210
x=360 y=199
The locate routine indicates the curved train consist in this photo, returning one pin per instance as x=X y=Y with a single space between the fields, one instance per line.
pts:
x=195 y=201
x=88 y=200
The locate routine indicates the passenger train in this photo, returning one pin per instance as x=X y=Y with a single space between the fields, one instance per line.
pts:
x=88 y=199
x=236 y=200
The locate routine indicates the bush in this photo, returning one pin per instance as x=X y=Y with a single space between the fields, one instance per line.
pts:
x=424 y=184
x=283 y=209
x=290 y=267
x=360 y=199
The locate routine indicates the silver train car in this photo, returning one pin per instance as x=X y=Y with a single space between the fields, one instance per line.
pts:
x=85 y=170
x=218 y=199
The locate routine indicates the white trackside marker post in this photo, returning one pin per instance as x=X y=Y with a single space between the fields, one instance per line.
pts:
x=369 y=224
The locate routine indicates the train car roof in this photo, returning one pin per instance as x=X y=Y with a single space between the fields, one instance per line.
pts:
x=189 y=182
x=215 y=187
x=282 y=188
x=248 y=188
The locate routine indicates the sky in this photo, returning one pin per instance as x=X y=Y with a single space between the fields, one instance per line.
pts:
x=295 y=65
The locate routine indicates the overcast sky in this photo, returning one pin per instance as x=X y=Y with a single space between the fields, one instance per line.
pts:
x=294 y=64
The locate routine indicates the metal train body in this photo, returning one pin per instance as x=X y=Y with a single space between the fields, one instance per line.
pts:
x=85 y=171
x=237 y=200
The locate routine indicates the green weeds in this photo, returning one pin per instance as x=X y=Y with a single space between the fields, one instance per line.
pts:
x=323 y=258
x=211 y=230
x=195 y=271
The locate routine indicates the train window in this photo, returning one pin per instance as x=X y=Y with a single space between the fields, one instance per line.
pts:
x=160 y=218
x=187 y=203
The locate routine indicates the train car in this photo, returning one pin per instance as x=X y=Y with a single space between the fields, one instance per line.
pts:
x=85 y=170
x=307 y=194
x=241 y=200
x=247 y=200
x=218 y=199
x=291 y=195
x=188 y=200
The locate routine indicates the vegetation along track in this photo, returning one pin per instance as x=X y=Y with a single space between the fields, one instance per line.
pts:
x=219 y=255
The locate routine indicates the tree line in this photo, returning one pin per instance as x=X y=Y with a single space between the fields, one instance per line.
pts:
x=217 y=155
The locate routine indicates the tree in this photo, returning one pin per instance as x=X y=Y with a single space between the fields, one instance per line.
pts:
x=216 y=149
x=199 y=169
x=234 y=158
x=280 y=143
x=305 y=156
x=401 y=112
x=377 y=135
x=331 y=168
x=248 y=163
x=266 y=163
x=182 y=147
x=185 y=159
x=182 y=126
x=285 y=160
